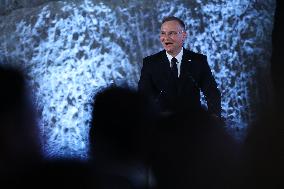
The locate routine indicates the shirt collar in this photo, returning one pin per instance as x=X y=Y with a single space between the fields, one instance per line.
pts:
x=178 y=57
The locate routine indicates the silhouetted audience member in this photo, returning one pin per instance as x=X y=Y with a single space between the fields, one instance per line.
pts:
x=264 y=152
x=19 y=140
x=191 y=152
x=57 y=174
x=119 y=137
x=182 y=151
x=264 y=145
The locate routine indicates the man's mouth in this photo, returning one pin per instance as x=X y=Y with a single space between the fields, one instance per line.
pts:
x=168 y=43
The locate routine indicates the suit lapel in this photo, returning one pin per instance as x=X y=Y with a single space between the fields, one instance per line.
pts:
x=185 y=62
x=165 y=65
x=169 y=83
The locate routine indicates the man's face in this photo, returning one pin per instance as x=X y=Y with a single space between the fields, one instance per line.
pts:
x=172 y=37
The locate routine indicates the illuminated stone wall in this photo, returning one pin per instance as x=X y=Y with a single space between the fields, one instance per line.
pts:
x=71 y=49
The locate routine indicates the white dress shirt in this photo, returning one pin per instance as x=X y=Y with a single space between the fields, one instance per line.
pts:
x=178 y=57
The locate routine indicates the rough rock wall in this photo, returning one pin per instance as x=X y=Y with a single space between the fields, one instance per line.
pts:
x=71 y=49
x=7 y=6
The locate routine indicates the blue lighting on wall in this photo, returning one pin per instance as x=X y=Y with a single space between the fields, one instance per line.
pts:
x=72 y=50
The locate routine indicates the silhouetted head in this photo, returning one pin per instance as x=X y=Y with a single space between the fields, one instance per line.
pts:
x=19 y=142
x=118 y=123
x=190 y=151
x=56 y=173
x=12 y=94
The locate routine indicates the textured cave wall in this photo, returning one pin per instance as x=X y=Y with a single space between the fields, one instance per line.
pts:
x=71 y=49
x=7 y=6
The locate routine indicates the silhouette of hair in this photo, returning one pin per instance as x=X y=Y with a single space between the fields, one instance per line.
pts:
x=19 y=140
x=189 y=151
x=173 y=18
x=118 y=121
x=56 y=173
x=119 y=137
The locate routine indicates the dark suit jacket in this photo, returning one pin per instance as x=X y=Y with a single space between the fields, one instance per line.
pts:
x=157 y=82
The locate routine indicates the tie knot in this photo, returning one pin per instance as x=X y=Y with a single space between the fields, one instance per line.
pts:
x=174 y=60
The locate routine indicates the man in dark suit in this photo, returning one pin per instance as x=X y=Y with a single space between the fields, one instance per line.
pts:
x=181 y=149
x=175 y=76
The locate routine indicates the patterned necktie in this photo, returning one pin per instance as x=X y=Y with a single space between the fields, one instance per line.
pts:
x=174 y=67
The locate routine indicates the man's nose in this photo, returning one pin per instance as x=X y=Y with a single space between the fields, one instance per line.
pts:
x=166 y=36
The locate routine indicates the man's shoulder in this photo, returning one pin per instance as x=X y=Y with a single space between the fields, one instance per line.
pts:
x=160 y=55
x=155 y=56
x=194 y=54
